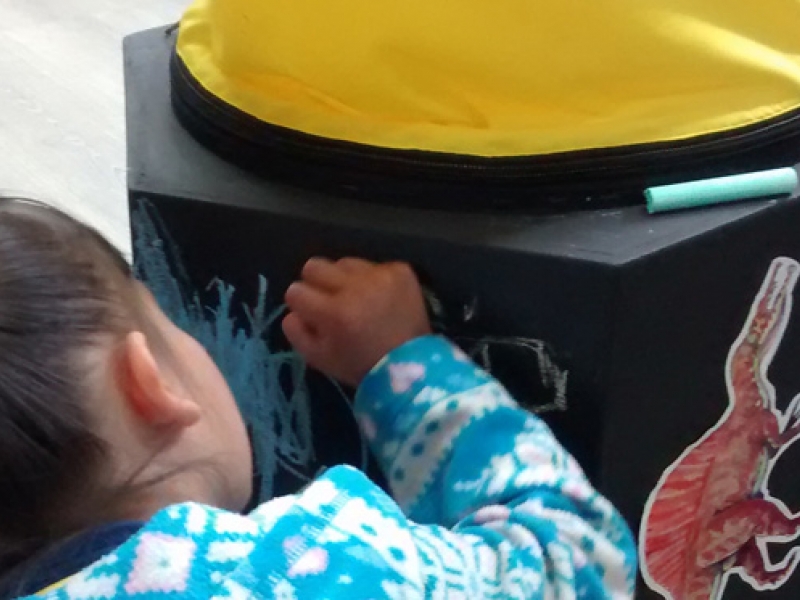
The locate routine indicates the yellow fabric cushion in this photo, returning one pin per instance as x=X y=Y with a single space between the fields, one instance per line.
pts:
x=524 y=77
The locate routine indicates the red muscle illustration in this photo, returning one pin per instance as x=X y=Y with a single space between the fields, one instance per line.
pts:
x=711 y=514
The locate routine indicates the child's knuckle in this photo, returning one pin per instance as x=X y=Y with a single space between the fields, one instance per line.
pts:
x=388 y=275
x=347 y=318
x=403 y=271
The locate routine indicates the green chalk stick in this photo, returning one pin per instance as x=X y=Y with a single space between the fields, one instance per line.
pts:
x=765 y=184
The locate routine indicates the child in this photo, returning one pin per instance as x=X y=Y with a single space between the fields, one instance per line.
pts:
x=124 y=460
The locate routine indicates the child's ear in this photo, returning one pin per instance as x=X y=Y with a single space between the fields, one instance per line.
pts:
x=147 y=391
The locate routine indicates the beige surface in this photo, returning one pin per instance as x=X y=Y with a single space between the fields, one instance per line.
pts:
x=62 y=122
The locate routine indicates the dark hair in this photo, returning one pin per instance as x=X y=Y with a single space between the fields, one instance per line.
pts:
x=63 y=290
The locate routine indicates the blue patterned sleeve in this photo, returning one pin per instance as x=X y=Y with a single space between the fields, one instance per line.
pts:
x=503 y=510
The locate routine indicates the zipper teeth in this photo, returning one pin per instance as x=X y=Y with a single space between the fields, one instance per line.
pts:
x=534 y=167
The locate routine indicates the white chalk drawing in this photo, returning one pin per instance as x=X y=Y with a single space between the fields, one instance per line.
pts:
x=537 y=355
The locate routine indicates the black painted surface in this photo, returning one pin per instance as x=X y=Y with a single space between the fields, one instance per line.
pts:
x=642 y=310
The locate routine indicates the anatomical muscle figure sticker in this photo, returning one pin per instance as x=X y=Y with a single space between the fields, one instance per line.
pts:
x=711 y=515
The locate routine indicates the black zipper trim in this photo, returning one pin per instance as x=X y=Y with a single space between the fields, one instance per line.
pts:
x=593 y=177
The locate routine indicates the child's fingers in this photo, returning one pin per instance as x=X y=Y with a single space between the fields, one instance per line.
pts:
x=309 y=303
x=354 y=265
x=300 y=336
x=323 y=274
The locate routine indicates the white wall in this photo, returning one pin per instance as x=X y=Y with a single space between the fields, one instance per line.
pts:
x=62 y=121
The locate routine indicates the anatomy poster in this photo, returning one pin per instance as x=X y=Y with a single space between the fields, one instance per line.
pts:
x=711 y=516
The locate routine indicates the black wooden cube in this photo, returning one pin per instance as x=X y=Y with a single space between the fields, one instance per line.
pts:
x=615 y=325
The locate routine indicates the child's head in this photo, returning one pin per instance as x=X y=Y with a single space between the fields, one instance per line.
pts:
x=107 y=410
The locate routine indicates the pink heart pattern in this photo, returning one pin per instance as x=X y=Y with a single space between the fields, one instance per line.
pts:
x=313 y=562
x=404 y=375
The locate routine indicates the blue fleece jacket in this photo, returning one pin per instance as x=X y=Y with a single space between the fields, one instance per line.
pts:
x=485 y=504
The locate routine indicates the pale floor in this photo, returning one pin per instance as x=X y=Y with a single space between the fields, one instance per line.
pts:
x=62 y=126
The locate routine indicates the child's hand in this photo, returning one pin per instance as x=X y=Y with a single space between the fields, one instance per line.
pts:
x=346 y=316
